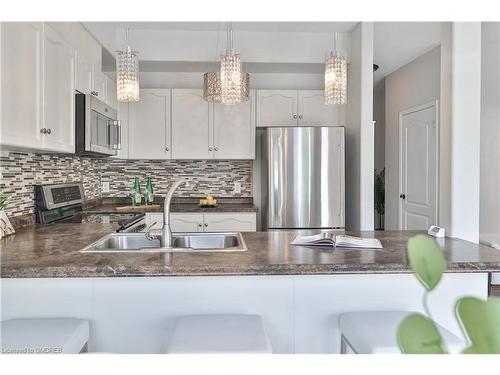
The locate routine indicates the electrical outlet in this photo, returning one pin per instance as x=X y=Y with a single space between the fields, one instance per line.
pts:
x=105 y=187
x=237 y=187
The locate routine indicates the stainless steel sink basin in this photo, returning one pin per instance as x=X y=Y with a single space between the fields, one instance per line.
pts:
x=185 y=242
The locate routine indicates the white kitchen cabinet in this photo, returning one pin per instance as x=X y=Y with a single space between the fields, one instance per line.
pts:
x=99 y=88
x=111 y=99
x=21 y=84
x=149 y=125
x=277 y=108
x=230 y=222
x=184 y=222
x=312 y=110
x=58 y=93
x=181 y=222
x=234 y=130
x=192 y=127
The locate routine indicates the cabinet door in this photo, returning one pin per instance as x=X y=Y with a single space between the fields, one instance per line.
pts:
x=21 y=84
x=99 y=88
x=192 y=128
x=111 y=93
x=149 y=126
x=276 y=108
x=180 y=222
x=58 y=93
x=83 y=74
x=234 y=130
x=156 y=218
x=313 y=111
x=230 y=222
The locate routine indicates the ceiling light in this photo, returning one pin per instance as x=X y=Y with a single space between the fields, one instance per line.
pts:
x=127 y=74
x=212 y=81
x=336 y=75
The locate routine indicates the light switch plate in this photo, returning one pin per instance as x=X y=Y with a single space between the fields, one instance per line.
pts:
x=237 y=187
x=105 y=187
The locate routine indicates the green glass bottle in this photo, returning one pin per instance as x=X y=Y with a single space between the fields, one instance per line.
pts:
x=136 y=193
x=149 y=197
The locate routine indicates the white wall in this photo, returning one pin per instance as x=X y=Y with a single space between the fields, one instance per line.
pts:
x=359 y=131
x=490 y=131
x=466 y=118
x=412 y=85
x=379 y=136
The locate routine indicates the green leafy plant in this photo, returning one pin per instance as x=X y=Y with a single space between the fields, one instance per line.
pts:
x=4 y=201
x=479 y=319
x=379 y=196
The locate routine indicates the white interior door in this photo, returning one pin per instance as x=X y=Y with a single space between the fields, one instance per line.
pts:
x=418 y=180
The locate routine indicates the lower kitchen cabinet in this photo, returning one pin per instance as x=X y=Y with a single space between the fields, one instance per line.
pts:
x=206 y=222
x=229 y=222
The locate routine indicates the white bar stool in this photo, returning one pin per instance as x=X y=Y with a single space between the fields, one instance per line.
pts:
x=219 y=334
x=374 y=332
x=39 y=336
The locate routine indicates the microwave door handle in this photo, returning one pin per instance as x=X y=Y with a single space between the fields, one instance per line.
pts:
x=115 y=128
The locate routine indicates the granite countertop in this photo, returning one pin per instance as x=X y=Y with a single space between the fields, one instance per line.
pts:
x=53 y=251
x=178 y=205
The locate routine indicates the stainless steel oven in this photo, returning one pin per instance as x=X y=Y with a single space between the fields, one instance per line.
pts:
x=98 y=130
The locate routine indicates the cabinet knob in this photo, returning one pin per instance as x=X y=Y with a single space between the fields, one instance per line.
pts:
x=402 y=196
x=43 y=131
x=49 y=131
x=216 y=149
x=294 y=116
x=200 y=225
x=210 y=149
x=300 y=116
x=206 y=225
x=166 y=148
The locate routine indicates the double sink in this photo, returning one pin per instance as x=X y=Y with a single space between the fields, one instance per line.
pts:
x=185 y=242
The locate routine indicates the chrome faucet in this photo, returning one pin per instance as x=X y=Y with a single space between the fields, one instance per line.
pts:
x=165 y=234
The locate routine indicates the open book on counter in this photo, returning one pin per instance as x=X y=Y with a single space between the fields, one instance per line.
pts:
x=337 y=240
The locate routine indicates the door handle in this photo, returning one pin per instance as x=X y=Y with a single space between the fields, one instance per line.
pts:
x=402 y=196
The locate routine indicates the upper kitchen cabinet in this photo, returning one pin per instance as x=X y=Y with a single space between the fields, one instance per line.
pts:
x=38 y=87
x=192 y=127
x=296 y=108
x=58 y=93
x=276 y=108
x=111 y=99
x=312 y=110
x=21 y=84
x=234 y=130
x=149 y=125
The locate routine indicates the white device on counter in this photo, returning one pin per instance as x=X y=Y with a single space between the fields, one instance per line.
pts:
x=436 y=231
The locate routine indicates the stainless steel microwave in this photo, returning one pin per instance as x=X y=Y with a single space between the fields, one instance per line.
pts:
x=98 y=131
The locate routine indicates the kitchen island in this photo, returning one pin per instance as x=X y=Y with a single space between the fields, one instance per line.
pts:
x=131 y=299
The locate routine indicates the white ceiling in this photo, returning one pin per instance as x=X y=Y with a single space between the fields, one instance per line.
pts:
x=306 y=27
x=395 y=43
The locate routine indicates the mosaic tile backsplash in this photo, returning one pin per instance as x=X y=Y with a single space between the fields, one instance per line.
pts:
x=216 y=177
x=19 y=172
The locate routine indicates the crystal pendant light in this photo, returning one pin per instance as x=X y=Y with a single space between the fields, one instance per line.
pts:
x=336 y=76
x=212 y=81
x=231 y=90
x=127 y=74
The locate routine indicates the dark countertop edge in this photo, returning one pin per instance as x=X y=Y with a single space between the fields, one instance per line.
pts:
x=278 y=270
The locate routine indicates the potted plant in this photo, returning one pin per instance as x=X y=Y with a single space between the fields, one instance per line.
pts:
x=5 y=225
x=379 y=197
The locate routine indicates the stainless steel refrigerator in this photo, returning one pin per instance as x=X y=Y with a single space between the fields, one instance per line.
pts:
x=305 y=177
